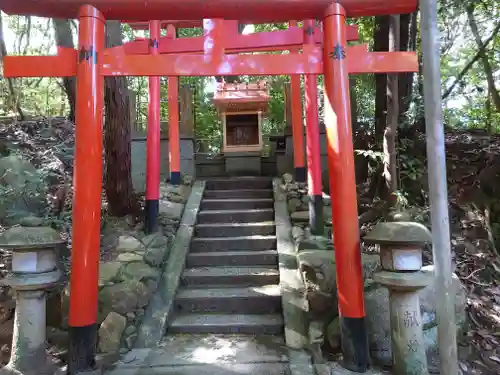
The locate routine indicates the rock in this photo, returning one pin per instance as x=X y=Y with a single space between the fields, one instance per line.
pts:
x=187 y=180
x=378 y=320
x=287 y=178
x=155 y=240
x=293 y=205
x=297 y=233
x=31 y=221
x=155 y=256
x=327 y=201
x=333 y=333
x=129 y=244
x=110 y=333
x=108 y=272
x=129 y=257
x=25 y=191
x=300 y=216
x=130 y=316
x=130 y=340
x=137 y=271
x=125 y=297
x=318 y=270
x=171 y=210
x=306 y=199
x=58 y=338
x=130 y=330
x=315 y=243
x=177 y=199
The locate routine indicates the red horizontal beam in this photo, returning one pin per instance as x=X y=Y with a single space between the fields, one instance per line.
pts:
x=256 y=10
x=254 y=42
x=309 y=62
x=61 y=65
x=178 y=24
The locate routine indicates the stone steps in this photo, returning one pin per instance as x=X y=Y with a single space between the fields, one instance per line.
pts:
x=254 y=243
x=242 y=276
x=231 y=281
x=236 y=204
x=264 y=324
x=239 y=183
x=233 y=258
x=236 y=194
x=235 y=229
x=235 y=216
x=238 y=300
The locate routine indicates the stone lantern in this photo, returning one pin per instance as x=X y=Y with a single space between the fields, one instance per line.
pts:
x=34 y=271
x=401 y=243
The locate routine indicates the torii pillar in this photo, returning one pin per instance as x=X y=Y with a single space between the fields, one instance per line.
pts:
x=313 y=145
x=173 y=123
x=153 y=139
x=343 y=184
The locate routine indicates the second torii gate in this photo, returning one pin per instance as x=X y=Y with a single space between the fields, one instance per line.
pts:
x=233 y=42
x=93 y=62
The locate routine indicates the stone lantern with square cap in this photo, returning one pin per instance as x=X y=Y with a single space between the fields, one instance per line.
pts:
x=34 y=270
x=401 y=243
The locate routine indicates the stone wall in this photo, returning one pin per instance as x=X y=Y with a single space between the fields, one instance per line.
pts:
x=316 y=259
x=130 y=270
x=138 y=150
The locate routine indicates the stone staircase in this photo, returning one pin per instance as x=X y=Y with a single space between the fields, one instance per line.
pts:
x=231 y=281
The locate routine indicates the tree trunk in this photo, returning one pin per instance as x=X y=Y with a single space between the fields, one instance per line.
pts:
x=14 y=100
x=118 y=178
x=390 y=133
x=407 y=41
x=492 y=90
x=64 y=38
x=381 y=44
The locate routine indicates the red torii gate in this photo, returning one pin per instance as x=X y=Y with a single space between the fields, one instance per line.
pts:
x=233 y=42
x=93 y=62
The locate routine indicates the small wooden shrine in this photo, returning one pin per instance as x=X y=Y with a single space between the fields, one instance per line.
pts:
x=242 y=107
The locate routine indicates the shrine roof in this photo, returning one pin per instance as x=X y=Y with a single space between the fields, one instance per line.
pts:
x=241 y=93
x=256 y=10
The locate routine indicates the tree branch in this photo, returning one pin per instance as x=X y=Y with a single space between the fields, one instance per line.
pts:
x=471 y=63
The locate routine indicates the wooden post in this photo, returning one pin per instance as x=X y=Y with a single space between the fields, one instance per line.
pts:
x=288 y=108
x=186 y=111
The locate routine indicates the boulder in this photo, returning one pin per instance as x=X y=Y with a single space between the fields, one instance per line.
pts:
x=108 y=272
x=171 y=210
x=137 y=271
x=293 y=205
x=155 y=240
x=129 y=257
x=110 y=332
x=155 y=256
x=300 y=217
x=287 y=178
x=23 y=189
x=187 y=180
x=129 y=244
x=318 y=270
x=127 y=296
x=297 y=233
